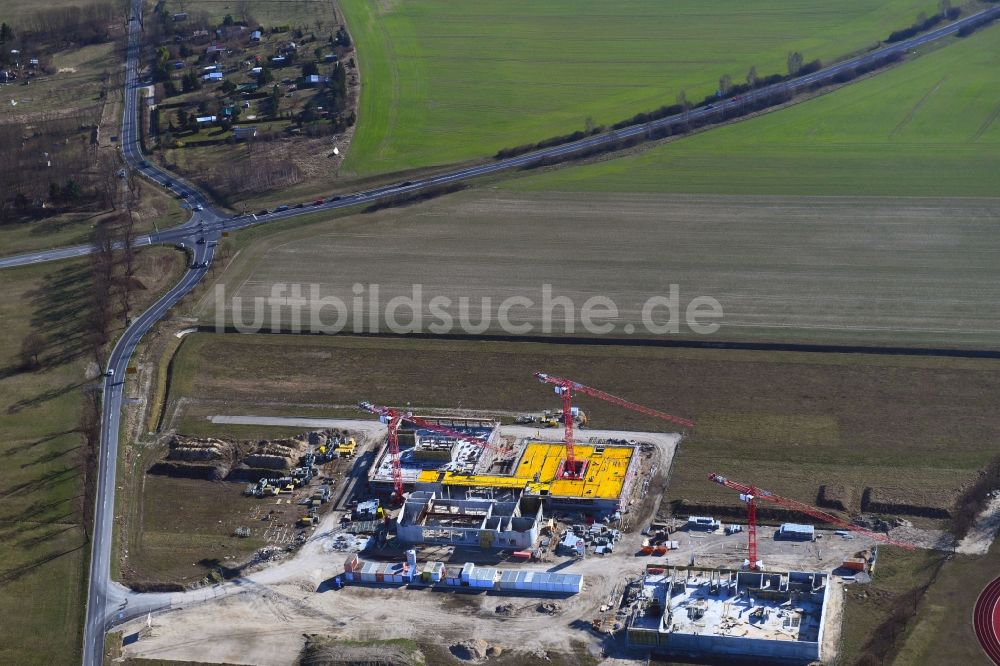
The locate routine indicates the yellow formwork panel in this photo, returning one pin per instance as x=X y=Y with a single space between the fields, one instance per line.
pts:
x=604 y=478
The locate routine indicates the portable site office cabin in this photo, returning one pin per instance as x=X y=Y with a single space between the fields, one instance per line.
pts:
x=368 y=572
x=452 y=577
x=432 y=572
x=541 y=581
x=520 y=580
x=351 y=563
x=396 y=572
x=562 y=583
x=483 y=577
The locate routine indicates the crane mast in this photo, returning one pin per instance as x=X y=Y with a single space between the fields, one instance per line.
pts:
x=750 y=494
x=393 y=420
x=565 y=388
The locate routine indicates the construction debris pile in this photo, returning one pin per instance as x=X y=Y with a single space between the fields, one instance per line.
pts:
x=215 y=459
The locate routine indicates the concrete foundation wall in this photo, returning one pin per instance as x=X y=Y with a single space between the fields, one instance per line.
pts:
x=690 y=644
x=491 y=524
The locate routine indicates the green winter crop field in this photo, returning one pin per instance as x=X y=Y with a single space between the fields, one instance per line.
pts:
x=445 y=81
x=926 y=128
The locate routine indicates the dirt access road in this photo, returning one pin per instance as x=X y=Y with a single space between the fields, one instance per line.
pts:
x=262 y=617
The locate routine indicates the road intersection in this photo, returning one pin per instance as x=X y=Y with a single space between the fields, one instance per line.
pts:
x=110 y=603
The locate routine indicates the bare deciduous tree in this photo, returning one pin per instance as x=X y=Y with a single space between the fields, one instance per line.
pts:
x=725 y=84
x=794 y=63
x=31 y=348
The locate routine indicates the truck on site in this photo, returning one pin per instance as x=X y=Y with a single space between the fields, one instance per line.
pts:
x=347 y=448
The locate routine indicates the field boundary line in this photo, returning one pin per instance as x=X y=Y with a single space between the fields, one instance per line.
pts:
x=916 y=107
x=986 y=124
x=732 y=345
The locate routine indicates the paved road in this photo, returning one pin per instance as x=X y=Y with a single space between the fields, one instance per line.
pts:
x=110 y=603
x=216 y=222
x=105 y=599
x=298 y=422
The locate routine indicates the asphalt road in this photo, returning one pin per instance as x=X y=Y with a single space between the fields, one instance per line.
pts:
x=217 y=222
x=109 y=603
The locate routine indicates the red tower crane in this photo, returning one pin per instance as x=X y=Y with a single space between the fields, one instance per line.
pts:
x=393 y=419
x=566 y=388
x=750 y=495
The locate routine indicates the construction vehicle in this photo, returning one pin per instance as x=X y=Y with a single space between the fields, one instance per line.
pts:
x=750 y=494
x=263 y=488
x=322 y=494
x=565 y=388
x=346 y=449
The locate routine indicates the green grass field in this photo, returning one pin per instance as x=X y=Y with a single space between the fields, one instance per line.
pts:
x=43 y=548
x=898 y=575
x=925 y=128
x=445 y=81
x=942 y=632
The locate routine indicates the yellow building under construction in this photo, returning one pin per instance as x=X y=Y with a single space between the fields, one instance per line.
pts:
x=607 y=478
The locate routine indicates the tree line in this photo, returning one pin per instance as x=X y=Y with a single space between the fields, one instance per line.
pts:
x=765 y=96
x=970 y=28
x=727 y=89
x=108 y=287
x=925 y=23
x=972 y=501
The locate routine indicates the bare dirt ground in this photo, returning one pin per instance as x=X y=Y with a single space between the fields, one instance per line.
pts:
x=983 y=532
x=263 y=616
x=276 y=606
x=874 y=270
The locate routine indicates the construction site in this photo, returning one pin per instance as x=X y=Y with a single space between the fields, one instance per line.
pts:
x=483 y=512
x=523 y=464
x=718 y=612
